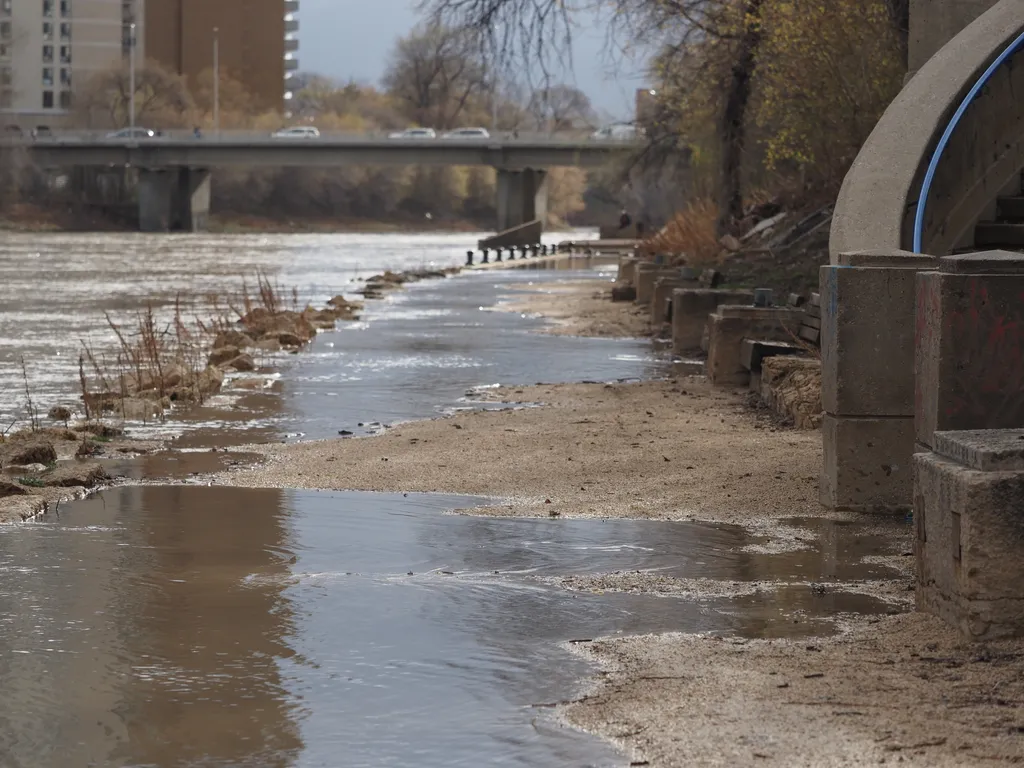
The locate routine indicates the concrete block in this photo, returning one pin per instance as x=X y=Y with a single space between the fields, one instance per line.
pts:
x=690 y=310
x=867 y=463
x=662 y=294
x=970 y=536
x=646 y=273
x=729 y=325
x=970 y=345
x=627 y=269
x=867 y=338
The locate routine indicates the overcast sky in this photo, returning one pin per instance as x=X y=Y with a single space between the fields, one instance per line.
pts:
x=352 y=39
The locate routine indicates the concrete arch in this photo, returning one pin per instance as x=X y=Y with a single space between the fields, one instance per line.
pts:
x=878 y=199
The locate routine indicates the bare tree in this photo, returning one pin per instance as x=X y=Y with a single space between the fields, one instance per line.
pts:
x=561 y=108
x=162 y=99
x=435 y=73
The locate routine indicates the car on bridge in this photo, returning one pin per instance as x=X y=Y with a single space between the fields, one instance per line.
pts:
x=132 y=134
x=467 y=133
x=297 y=132
x=618 y=132
x=414 y=133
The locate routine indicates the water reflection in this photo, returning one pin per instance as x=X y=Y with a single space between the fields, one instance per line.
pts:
x=136 y=640
x=189 y=625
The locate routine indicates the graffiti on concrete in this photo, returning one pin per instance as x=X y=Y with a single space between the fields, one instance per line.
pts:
x=985 y=348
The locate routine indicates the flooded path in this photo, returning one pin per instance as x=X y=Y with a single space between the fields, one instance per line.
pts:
x=180 y=626
x=189 y=625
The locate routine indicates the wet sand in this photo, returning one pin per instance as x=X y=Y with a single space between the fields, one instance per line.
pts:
x=887 y=689
x=579 y=308
x=661 y=450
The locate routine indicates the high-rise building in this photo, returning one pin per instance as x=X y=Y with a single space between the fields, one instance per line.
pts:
x=256 y=40
x=47 y=47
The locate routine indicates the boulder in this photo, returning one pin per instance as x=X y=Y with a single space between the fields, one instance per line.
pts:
x=243 y=362
x=289 y=339
x=139 y=409
x=59 y=413
x=221 y=355
x=32 y=450
x=98 y=428
x=8 y=488
x=173 y=377
x=79 y=474
x=232 y=339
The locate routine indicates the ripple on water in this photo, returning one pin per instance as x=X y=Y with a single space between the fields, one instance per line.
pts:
x=184 y=625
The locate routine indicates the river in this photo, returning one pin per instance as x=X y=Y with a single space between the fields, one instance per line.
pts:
x=184 y=625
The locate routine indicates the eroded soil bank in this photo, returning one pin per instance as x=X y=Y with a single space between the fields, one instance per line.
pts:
x=886 y=689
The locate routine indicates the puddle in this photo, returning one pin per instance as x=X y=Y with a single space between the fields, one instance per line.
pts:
x=186 y=625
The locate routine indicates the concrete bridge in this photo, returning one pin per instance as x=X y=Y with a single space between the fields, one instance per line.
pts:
x=922 y=321
x=174 y=171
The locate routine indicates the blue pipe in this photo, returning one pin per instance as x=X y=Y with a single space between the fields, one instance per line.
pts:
x=929 y=177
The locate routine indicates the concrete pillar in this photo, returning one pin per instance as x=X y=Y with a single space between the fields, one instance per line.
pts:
x=156 y=191
x=173 y=199
x=522 y=197
x=867 y=371
x=933 y=23
x=193 y=201
x=970 y=345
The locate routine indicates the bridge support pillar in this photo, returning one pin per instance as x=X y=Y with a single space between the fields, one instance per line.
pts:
x=933 y=23
x=867 y=380
x=175 y=199
x=522 y=197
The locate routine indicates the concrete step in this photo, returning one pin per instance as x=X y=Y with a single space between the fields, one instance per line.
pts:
x=1010 y=209
x=999 y=234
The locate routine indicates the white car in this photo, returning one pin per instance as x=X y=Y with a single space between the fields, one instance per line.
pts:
x=297 y=132
x=128 y=134
x=617 y=132
x=414 y=133
x=467 y=133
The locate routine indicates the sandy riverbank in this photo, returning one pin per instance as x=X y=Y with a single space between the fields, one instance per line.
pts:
x=582 y=308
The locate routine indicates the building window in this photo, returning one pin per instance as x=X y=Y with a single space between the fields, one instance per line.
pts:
x=65 y=54
x=65 y=8
x=47 y=30
x=48 y=77
x=65 y=99
x=6 y=77
x=47 y=7
x=47 y=99
x=5 y=7
x=6 y=99
x=65 y=78
x=47 y=54
x=5 y=30
x=65 y=31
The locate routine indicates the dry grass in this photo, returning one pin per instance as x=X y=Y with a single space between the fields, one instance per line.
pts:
x=690 y=235
x=165 y=360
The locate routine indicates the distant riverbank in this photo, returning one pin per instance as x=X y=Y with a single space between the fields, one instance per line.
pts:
x=30 y=217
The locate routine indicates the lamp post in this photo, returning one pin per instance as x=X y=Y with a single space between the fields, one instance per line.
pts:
x=216 y=81
x=131 y=77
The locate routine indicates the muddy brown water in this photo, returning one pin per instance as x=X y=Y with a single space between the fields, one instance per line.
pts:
x=185 y=625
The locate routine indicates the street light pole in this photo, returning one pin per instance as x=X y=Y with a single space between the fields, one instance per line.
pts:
x=216 y=81
x=131 y=76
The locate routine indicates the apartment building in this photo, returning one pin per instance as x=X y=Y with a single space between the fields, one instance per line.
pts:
x=49 y=46
x=257 y=41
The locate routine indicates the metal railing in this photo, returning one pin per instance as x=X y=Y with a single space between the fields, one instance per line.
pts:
x=933 y=165
x=259 y=137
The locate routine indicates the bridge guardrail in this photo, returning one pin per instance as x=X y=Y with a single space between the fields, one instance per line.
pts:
x=236 y=137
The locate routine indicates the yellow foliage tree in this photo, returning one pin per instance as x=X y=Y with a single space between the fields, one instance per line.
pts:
x=826 y=71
